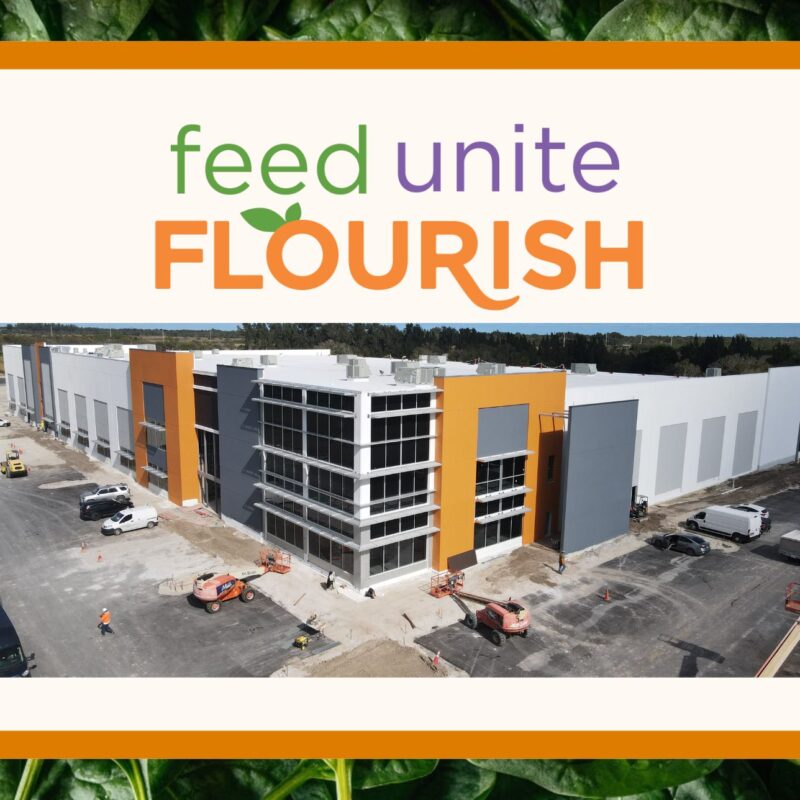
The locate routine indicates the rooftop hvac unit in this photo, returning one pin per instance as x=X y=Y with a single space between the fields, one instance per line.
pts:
x=583 y=369
x=442 y=359
x=198 y=353
x=145 y=347
x=344 y=358
x=713 y=372
x=242 y=362
x=357 y=369
x=440 y=372
x=397 y=364
x=215 y=352
x=269 y=360
x=416 y=374
x=491 y=368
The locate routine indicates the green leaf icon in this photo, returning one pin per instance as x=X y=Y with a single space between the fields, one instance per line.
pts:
x=293 y=212
x=263 y=219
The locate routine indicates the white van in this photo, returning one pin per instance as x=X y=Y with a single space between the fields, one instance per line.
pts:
x=131 y=519
x=739 y=525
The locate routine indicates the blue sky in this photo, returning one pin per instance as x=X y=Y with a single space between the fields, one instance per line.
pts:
x=628 y=328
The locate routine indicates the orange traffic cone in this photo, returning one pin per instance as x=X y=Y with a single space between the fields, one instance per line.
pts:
x=436 y=659
x=99 y=556
x=606 y=595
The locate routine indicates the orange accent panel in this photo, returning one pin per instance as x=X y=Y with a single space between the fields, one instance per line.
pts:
x=400 y=744
x=457 y=448
x=173 y=371
x=400 y=55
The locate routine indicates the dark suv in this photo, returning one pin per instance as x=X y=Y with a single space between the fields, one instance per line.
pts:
x=98 y=509
x=689 y=543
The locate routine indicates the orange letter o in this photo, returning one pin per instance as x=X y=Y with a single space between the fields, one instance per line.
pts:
x=277 y=266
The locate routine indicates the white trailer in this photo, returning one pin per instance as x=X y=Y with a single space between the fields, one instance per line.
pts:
x=789 y=546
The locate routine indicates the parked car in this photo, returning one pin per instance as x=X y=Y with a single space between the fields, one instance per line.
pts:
x=689 y=543
x=106 y=492
x=741 y=526
x=97 y=509
x=130 y=519
x=766 y=522
x=4 y=423
x=13 y=661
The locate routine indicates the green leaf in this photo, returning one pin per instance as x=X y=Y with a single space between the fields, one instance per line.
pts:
x=554 y=19
x=784 y=779
x=19 y=22
x=381 y=772
x=404 y=20
x=709 y=20
x=290 y=16
x=456 y=780
x=240 y=779
x=102 y=20
x=293 y=212
x=230 y=20
x=263 y=219
x=734 y=780
x=601 y=777
x=83 y=780
x=10 y=774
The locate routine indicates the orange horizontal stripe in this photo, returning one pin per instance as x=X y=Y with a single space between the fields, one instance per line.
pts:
x=411 y=744
x=400 y=55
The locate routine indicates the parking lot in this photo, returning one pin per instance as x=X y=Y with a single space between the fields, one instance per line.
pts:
x=53 y=589
x=668 y=615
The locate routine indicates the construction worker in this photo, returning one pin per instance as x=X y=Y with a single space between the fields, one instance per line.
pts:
x=105 y=622
x=329 y=581
x=561 y=563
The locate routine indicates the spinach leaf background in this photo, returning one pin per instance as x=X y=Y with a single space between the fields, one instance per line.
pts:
x=399 y=779
x=555 y=19
x=602 y=778
x=399 y=20
x=404 y=20
x=20 y=22
x=710 y=20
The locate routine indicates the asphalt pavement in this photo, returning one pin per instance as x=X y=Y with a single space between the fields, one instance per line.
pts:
x=668 y=615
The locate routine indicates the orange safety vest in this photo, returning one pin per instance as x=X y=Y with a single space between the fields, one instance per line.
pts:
x=105 y=618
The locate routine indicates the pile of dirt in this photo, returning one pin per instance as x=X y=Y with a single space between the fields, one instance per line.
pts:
x=381 y=658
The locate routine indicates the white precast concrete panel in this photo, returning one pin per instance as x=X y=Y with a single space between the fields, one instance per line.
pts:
x=667 y=401
x=105 y=380
x=780 y=439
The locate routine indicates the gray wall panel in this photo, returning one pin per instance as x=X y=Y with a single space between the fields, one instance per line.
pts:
x=671 y=455
x=153 y=402
x=598 y=459
x=125 y=428
x=503 y=429
x=63 y=407
x=745 y=442
x=239 y=461
x=31 y=383
x=21 y=391
x=101 y=420
x=712 y=436
x=637 y=454
x=81 y=417
x=12 y=389
x=49 y=410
